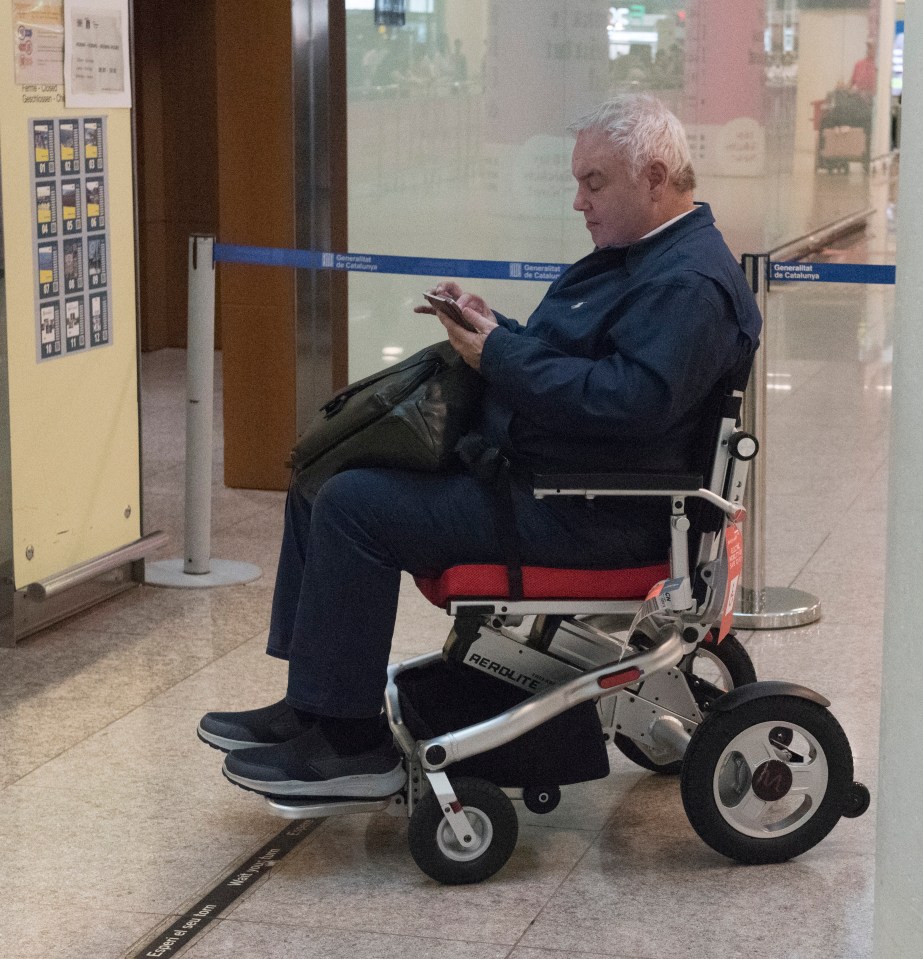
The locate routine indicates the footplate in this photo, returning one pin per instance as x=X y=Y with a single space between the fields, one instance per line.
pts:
x=312 y=809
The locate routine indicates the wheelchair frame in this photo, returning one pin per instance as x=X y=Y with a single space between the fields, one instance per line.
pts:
x=638 y=687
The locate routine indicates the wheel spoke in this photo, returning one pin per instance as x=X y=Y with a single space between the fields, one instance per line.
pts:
x=805 y=778
x=750 y=809
x=756 y=749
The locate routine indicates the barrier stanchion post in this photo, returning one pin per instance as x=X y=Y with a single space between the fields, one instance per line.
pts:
x=197 y=568
x=761 y=606
x=200 y=391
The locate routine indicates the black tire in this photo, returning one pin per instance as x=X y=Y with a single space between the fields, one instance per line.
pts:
x=439 y=854
x=857 y=802
x=541 y=799
x=735 y=669
x=720 y=784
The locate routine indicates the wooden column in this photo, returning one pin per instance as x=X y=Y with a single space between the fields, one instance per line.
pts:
x=283 y=337
x=177 y=155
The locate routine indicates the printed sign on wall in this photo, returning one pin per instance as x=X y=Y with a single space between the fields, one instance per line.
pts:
x=70 y=235
x=96 y=54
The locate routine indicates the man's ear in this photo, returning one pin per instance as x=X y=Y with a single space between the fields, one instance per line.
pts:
x=657 y=178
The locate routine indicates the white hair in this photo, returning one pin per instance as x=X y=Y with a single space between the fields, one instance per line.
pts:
x=642 y=129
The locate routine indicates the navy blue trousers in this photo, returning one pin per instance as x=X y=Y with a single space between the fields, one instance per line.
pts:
x=340 y=565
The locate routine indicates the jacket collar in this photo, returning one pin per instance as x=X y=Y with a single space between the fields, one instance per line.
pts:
x=654 y=246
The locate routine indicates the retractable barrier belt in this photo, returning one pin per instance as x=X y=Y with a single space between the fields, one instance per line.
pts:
x=831 y=272
x=507 y=269
x=374 y=263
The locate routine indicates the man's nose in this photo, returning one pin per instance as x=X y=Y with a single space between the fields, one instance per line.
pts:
x=580 y=201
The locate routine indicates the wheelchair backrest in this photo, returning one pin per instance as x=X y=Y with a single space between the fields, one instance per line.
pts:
x=723 y=473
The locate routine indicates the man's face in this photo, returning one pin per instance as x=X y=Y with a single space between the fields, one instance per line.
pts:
x=616 y=208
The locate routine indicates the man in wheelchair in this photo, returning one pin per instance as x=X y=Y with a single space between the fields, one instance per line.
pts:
x=617 y=369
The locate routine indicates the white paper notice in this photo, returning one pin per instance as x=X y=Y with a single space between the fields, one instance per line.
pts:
x=96 y=70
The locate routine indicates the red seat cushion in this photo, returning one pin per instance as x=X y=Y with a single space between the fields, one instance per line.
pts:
x=540 y=582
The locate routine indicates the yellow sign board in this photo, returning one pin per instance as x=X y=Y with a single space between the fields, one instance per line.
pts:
x=69 y=242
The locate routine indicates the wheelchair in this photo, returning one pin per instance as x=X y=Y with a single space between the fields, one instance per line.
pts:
x=641 y=659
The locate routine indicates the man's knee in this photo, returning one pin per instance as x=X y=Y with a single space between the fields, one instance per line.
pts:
x=342 y=489
x=351 y=497
x=362 y=509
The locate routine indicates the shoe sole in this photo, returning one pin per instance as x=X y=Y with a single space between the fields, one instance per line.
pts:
x=374 y=786
x=223 y=744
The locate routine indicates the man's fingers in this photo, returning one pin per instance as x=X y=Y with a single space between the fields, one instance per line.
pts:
x=483 y=324
x=468 y=345
x=447 y=288
x=474 y=318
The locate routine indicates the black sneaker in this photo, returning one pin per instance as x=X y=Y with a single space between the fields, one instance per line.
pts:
x=267 y=726
x=309 y=765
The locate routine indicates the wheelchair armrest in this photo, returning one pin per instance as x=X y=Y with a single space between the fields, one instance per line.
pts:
x=632 y=484
x=616 y=484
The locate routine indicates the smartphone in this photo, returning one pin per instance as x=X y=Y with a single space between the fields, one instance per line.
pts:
x=445 y=304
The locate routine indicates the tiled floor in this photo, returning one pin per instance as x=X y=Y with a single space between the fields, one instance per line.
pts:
x=115 y=817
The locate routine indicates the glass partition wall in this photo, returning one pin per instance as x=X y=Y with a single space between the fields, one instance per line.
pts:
x=458 y=145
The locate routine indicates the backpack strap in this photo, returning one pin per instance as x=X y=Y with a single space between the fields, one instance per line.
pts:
x=491 y=466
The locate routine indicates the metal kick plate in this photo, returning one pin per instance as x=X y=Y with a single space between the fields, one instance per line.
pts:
x=663 y=694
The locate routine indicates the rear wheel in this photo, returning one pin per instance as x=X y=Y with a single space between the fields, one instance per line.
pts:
x=768 y=779
x=711 y=670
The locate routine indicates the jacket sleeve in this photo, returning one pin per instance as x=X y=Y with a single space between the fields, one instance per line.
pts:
x=661 y=356
x=514 y=326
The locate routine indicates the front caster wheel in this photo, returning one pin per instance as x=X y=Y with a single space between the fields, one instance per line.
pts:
x=768 y=779
x=494 y=830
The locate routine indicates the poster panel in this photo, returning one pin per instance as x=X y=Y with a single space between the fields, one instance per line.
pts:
x=70 y=240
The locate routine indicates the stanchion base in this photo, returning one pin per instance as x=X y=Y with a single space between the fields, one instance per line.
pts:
x=223 y=572
x=781 y=607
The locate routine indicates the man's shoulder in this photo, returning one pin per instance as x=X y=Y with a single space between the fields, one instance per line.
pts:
x=696 y=256
x=704 y=264
x=702 y=246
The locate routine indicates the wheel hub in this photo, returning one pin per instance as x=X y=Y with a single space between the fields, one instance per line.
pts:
x=763 y=789
x=480 y=837
x=772 y=780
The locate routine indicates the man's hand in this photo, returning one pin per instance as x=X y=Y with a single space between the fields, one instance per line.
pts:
x=468 y=345
x=476 y=311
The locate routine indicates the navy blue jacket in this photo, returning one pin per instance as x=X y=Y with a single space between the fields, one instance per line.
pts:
x=616 y=366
